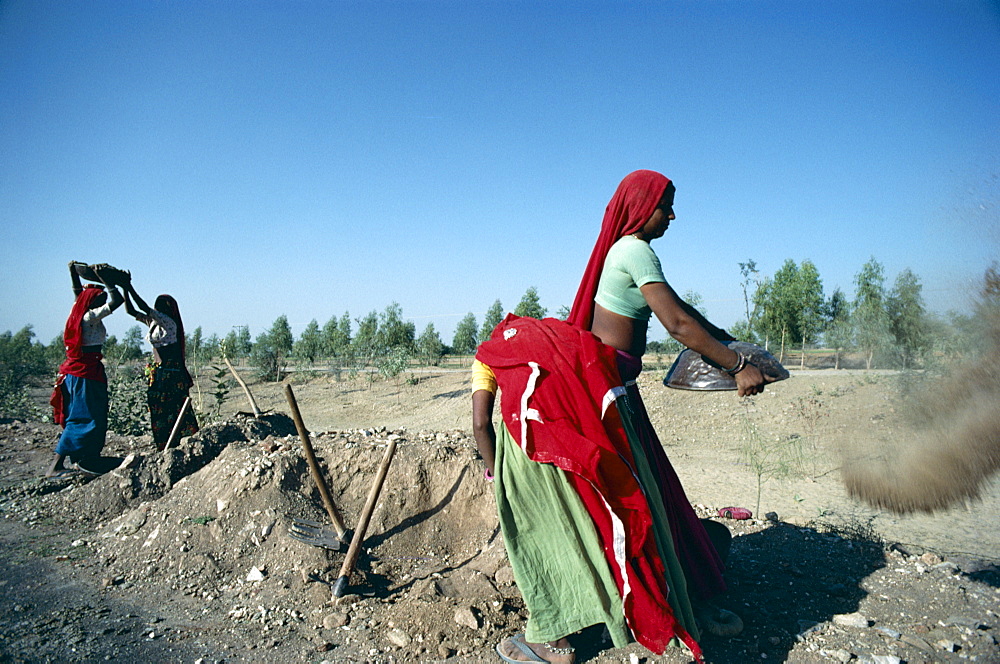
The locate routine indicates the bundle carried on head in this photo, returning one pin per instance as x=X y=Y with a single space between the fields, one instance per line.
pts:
x=102 y=273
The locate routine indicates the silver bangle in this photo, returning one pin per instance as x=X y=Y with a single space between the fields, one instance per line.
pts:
x=741 y=364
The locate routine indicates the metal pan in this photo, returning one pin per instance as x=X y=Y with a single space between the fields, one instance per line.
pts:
x=692 y=371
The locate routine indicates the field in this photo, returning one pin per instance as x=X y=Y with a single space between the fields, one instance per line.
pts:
x=185 y=556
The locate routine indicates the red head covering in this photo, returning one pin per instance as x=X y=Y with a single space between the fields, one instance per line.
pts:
x=629 y=210
x=78 y=363
x=73 y=332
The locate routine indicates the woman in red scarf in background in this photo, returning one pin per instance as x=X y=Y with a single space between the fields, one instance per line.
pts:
x=80 y=398
x=579 y=470
x=169 y=380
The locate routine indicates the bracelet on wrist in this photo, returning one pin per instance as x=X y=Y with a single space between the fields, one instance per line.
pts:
x=741 y=364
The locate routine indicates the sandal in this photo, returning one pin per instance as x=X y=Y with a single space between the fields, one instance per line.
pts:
x=738 y=513
x=63 y=474
x=521 y=644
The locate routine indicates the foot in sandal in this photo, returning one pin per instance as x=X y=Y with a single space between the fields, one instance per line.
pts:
x=516 y=649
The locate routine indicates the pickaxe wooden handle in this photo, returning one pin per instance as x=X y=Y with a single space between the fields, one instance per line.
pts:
x=177 y=424
x=246 y=390
x=317 y=475
x=340 y=585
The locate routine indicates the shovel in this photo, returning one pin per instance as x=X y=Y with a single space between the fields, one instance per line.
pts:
x=310 y=531
x=315 y=533
x=340 y=585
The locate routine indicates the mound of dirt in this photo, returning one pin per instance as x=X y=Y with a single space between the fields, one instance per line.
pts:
x=219 y=538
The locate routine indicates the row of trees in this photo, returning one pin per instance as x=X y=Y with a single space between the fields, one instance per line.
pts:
x=888 y=326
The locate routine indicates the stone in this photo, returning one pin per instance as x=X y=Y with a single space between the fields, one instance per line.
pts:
x=855 y=620
x=504 y=576
x=930 y=559
x=347 y=600
x=915 y=641
x=335 y=620
x=255 y=574
x=885 y=659
x=398 y=637
x=466 y=617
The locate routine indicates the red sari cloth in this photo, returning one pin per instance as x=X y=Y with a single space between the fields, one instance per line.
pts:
x=630 y=208
x=77 y=363
x=559 y=385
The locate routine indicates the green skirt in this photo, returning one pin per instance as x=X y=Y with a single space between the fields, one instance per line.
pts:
x=553 y=548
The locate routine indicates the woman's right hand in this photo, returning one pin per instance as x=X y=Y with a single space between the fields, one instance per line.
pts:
x=751 y=381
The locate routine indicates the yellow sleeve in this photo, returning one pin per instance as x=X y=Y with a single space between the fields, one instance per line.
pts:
x=483 y=378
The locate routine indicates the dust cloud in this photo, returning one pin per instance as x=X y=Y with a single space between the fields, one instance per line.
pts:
x=953 y=448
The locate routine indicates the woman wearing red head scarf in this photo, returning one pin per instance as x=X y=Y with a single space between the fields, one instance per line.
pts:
x=80 y=398
x=578 y=447
x=169 y=380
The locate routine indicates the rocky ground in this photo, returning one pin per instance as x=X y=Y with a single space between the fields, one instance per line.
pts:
x=186 y=556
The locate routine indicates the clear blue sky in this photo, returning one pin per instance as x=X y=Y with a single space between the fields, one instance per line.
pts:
x=311 y=158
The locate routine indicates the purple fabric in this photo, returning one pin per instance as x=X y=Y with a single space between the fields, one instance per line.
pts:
x=701 y=562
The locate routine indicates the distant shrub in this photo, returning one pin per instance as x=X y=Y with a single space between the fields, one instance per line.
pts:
x=128 y=414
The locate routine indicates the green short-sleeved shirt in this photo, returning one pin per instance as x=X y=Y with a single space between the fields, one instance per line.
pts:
x=630 y=263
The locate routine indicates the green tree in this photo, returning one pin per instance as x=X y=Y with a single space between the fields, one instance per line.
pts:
x=789 y=306
x=230 y=345
x=281 y=336
x=908 y=318
x=337 y=336
x=394 y=362
x=271 y=350
x=563 y=312
x=55 y=352
x=838 y=331
x=465 y=340
x=365 y=345
x=492 y=318
x=194 y=346
x=751 y=277
x=772 y=306
x=393 y=330
x=810 y=306
x=210 y=347
x=529 y=305
x=22 y=364
x=310 y=343
x=429 y=345
x=238 y=343
x=872 y=327
x=126 y=350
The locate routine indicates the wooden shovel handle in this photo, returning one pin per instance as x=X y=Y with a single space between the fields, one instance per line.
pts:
x=246 y=390
x=324 y=492
x=359 y=534
x=177 y=424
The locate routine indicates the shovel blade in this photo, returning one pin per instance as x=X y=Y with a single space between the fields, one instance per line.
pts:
x=315 y=534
